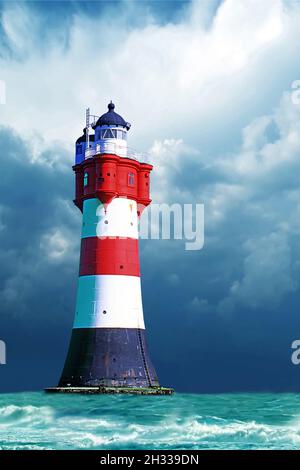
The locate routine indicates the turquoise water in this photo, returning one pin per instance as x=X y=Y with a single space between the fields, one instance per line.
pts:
x=231 y=421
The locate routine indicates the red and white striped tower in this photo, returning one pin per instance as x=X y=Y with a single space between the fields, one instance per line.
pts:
x=108 y=348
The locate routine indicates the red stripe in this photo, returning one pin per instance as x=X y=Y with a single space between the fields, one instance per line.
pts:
x=109 y=256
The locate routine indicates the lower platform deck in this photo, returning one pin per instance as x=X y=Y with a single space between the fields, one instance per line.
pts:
x=112 y=390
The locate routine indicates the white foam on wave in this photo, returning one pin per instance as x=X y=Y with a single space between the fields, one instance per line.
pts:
x=89 y=440
x=194 y=433
x=31 y=415
x=42 y=427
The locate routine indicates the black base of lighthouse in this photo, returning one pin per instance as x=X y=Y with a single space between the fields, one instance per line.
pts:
x=109 y=358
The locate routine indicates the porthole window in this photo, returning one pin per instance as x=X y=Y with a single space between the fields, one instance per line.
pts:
x=104 y=312
x=85 y=179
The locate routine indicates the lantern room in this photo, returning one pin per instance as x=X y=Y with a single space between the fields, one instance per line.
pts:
x=105 y=168
x=111 y=133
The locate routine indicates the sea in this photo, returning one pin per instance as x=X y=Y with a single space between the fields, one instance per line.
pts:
x=35 y=420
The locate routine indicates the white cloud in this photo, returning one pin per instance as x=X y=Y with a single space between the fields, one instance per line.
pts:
x=268 y=171
x=267 y=275
x=259 y=156
x=165 y=77
x=55 y=245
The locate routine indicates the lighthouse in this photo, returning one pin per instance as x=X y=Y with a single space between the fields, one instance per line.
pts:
x=108 y=351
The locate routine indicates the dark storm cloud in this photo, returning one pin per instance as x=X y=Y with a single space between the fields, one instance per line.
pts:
x=232 y=307
x=37 y=277
x=30 y=186
x=182 y=290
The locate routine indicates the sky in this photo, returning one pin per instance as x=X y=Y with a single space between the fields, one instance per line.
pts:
x=208 y=88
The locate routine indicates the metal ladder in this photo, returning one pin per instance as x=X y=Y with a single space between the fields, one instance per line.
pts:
x=144 y=358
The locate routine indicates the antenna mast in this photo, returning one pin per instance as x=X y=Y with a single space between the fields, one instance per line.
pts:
x=87 y=123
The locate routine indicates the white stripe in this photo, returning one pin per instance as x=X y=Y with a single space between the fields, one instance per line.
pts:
x=109 y=301
x=119 y=220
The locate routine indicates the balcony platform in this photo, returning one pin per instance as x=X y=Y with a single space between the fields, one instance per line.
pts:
x=112 y=390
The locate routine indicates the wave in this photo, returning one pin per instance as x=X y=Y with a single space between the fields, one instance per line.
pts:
x=119 y=425
x=226 y=435
x=12 y=415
